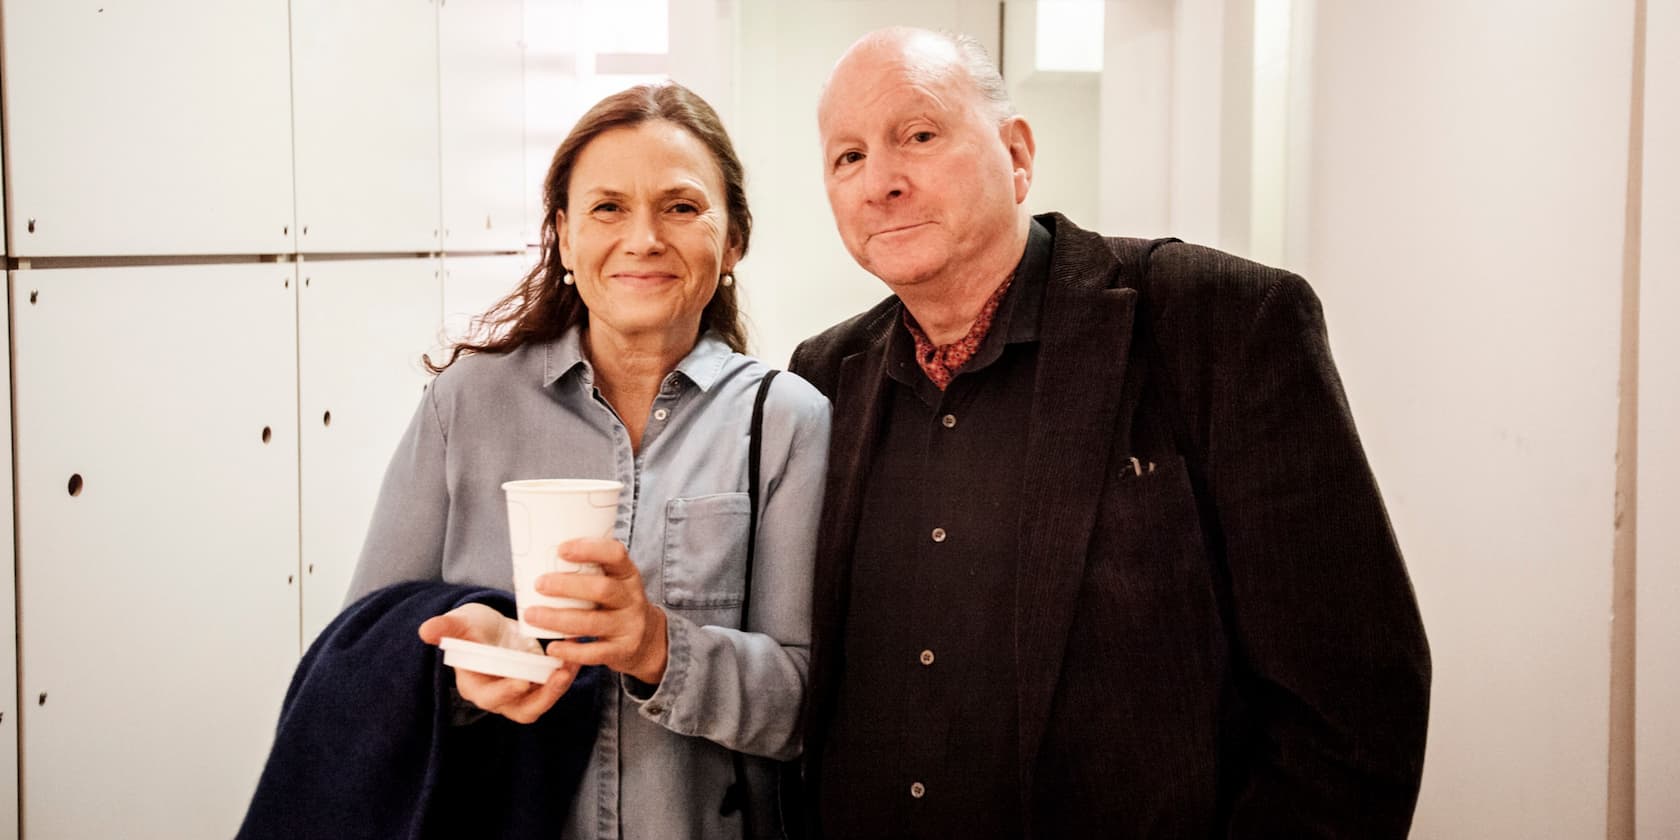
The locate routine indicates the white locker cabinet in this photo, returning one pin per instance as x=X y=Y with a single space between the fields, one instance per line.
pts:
x=157 y=528
x=8 y=618
x=471 y=285
x=148 y=128
x=364 y=325
x=365 y=116
x=481 y=87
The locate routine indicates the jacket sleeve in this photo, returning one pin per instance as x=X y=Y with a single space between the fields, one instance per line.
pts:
x=744 y=690
x=1333 y=665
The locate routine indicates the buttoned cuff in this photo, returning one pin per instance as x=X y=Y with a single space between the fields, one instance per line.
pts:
x=657 y=702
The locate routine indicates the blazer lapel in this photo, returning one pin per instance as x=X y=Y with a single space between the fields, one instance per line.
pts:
x=1085 y=334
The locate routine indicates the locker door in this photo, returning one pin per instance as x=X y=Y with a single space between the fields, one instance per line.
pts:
x=365 y=113
x=157 y=498
x=8 y=616
x=148 y=128
x=364 y=325
x=472 y=285
x=481 y=81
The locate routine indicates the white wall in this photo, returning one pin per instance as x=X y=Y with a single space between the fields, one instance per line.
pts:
x=1657 y=731
x=1134 y=173
x=1062 y=107
x=1175 y=113
x=1468 y=187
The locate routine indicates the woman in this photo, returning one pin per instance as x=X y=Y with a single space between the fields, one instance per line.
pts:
x=619 y=357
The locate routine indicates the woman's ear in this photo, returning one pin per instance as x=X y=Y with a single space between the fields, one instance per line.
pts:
x=731 y=256
x=561 y=238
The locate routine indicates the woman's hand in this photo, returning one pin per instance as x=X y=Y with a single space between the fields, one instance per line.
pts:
x=514 y=699
x=628 y=631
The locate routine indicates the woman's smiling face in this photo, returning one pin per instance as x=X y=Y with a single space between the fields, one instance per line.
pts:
x=645 y=234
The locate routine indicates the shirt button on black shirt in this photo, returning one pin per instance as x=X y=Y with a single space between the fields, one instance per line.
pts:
x=898 y=722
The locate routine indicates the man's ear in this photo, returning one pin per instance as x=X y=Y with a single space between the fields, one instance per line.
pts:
x=1018 y=139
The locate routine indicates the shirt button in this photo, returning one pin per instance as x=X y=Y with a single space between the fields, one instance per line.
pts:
x=660 y=414
x=917 y=791
x=927 y=657
x=939 y=535
x=949 y=421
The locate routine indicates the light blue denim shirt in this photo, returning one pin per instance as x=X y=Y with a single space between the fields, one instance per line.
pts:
x=661 y=763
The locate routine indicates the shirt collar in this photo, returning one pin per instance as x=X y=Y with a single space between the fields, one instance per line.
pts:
x=1017 y=315
x=1016 y=319
x=702 y=366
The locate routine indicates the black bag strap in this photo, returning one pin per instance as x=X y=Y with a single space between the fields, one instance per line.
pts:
x=755 y=445
x=738 y=794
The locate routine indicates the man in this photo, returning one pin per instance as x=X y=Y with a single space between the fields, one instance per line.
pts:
x=1101 y=555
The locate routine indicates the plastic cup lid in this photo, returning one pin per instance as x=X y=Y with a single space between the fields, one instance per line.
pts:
x=497 y=661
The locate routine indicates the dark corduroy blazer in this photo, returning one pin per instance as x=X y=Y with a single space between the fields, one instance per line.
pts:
x=1215 y=632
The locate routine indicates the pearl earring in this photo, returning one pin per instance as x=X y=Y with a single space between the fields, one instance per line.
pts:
x=567 y=278
x=727 y=280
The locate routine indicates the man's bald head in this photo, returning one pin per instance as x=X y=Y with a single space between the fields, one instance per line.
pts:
x=926 y=168
x=929 y=55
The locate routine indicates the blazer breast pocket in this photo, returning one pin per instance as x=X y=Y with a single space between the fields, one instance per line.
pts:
x=1149 y=515
x=705 y=551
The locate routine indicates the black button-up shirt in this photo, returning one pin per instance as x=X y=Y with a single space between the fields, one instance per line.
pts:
x=925 y=738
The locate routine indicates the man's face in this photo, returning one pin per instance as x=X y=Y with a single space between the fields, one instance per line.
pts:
x=921 y=176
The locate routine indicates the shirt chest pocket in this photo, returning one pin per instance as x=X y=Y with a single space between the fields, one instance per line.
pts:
x=705 y=551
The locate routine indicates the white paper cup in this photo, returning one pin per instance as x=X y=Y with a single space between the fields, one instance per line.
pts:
x=542 y=514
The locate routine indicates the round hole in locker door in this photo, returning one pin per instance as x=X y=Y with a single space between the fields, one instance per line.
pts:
x=326 y=418
x=267 y=433
x=76 y=484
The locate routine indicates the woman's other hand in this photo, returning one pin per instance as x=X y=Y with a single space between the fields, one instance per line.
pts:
x=628 y=630
x=514 y=699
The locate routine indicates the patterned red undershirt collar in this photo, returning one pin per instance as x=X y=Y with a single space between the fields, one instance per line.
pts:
x=942 y=362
